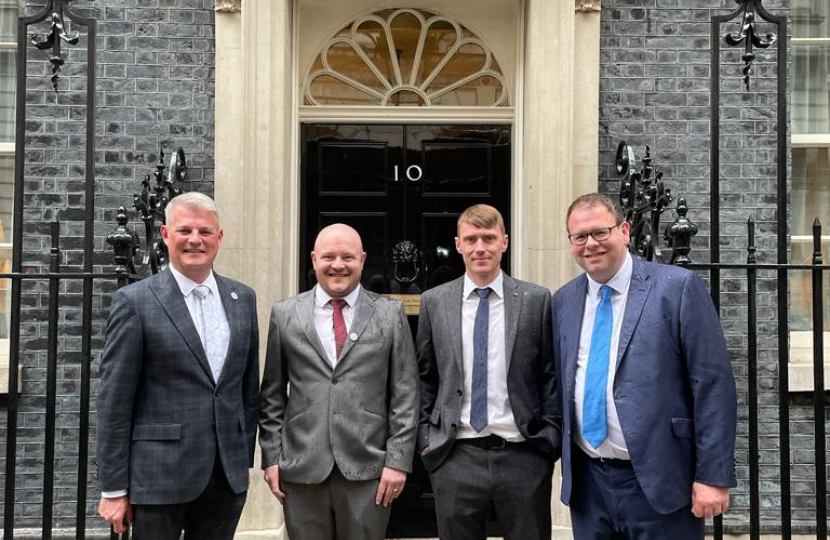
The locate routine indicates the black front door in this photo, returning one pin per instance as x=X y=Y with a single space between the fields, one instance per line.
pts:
x=402 y=188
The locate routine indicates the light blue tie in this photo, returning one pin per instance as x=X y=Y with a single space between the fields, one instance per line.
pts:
x=481 y=334
x=594 y=426
x=212 y=339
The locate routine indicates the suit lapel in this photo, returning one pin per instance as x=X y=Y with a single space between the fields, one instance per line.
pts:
x=571 y=328
x=512 y=311
x=305 y=314
x=172 y=302
x=365 y=309
x=637 y=294
x=230 y=301
x=452 y=307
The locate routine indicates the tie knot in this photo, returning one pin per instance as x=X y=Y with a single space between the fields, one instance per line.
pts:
x=484 y=293
x=337 y=303
x=202 y=291
x=605 y=293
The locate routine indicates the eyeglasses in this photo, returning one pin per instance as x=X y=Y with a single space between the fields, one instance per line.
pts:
x=600 y=235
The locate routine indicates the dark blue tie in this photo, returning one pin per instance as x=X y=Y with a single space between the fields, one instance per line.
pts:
x=481 y=333
x=594 y=426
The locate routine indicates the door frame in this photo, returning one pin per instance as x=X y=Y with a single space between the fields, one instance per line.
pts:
x=555 y=86
x=405 y=115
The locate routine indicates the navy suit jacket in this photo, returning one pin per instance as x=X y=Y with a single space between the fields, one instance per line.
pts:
x=674 y=389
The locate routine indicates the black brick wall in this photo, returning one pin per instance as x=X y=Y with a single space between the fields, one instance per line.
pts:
x=155 y=88
x=654 y=89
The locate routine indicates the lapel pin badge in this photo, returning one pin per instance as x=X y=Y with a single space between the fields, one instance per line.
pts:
x=234 y=295
x=353 y=336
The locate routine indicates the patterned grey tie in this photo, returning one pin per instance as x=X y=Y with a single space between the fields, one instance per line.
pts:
x=481 y=335
x=211 y=332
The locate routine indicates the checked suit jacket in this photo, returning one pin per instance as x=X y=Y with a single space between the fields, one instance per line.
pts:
x=162 y=419
x=674 y=389
x=531 y=379
x=359 y=415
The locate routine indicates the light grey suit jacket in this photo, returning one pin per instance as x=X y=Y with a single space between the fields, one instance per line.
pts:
x=360 y=415
x=162 y=419
x=531 y=380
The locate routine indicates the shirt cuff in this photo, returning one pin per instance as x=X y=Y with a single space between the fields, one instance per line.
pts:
x=114 y=494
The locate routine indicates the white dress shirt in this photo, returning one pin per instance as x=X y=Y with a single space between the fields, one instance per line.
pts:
x=324 y=318
x=614 y=446
x=186 y=286
x=499 y=413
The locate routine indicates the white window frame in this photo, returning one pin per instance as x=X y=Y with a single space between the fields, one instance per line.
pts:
x=7 y=149
x=801 y=341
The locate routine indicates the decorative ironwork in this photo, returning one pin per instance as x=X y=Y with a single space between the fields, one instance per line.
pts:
x=749 y=36
x=679 y=234
x=149 y=206
x=52 y=41
x=643 y=200
x=406 y=261
x=58 y=13
x=124 y=243
x=406 y=267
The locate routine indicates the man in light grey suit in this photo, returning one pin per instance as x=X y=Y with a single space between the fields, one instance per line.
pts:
x=489 y=425
x=179 y=397
x=339 y=400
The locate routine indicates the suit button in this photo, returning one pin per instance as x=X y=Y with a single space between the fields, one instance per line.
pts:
x=453 y=426
x=334 y=381
x=459 y=392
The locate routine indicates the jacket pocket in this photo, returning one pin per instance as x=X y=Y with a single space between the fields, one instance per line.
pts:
x=435 y=417
x=683 y=428
x=157 y=432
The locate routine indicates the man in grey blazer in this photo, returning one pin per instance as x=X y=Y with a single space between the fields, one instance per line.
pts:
x=178 y=399
x=489 y=424
x=339 y=400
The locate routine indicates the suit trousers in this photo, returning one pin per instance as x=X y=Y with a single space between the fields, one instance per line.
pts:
x=213 y=515
x=514 y=479
x=607 y=503
x=336 y=508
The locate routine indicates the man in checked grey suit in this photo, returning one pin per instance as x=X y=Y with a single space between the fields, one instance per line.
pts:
x=339 y=400
x=179 y=394
x=489 y=425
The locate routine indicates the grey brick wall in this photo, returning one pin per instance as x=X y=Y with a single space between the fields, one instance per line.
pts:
x=155 y=88
x=654 y=89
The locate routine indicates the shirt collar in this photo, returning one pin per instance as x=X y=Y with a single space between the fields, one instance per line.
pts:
x=497 y=286
x=186 y=285
x=321 y=297
x=619 y=283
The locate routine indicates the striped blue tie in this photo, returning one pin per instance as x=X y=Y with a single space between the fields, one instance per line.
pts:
x=594 y=426
x=481 y=333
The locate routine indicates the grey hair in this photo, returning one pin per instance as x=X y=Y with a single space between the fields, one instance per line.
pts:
x=191 y=199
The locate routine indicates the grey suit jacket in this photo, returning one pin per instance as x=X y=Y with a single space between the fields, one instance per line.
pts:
x=531 y=381
x=162 y=419
x=359 y=415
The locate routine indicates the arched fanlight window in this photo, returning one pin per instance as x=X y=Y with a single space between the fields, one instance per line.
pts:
x=406 y=57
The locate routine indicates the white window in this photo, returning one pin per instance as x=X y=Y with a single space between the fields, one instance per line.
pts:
x=406 y=57
x=810 y=192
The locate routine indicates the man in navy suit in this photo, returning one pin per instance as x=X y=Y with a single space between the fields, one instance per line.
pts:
x=646 y=388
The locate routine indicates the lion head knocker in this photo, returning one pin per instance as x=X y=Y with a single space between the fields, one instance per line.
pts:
x=406 y=262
